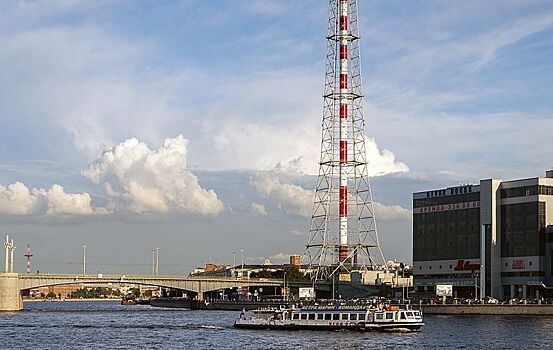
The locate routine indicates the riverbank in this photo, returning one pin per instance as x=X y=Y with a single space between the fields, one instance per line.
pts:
x=72 y=300
x=489 y=309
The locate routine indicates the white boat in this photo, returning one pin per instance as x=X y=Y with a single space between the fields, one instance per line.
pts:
x=343 y=317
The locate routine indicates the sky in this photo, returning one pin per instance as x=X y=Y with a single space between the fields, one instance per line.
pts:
x=194 y=126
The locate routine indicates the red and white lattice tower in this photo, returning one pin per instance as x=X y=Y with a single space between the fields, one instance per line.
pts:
x=28 y=256
x=342 y=234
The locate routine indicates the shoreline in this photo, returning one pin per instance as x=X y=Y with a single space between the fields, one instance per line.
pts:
x=70 y=300
x=488 y=309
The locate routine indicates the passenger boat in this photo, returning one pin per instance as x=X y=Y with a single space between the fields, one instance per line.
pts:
x=342 y=317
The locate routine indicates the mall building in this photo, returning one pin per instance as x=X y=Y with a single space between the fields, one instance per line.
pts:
x=494 y=239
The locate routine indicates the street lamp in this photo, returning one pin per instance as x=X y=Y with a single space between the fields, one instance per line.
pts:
x=242 y=269
x=84 y=260
x=157 y=261
x=233 y=264
x=153 y=261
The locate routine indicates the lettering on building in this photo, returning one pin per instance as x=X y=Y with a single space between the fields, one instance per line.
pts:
x=518 y=264
x=446 y=207
x=466 y=265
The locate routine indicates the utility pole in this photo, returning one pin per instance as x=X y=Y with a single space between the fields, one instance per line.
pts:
x=153 y=261
x=7 y=245
x=84 y=260
x=157 y=261
x=242 y=269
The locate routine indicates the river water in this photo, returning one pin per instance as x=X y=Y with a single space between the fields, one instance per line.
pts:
x=109 y=325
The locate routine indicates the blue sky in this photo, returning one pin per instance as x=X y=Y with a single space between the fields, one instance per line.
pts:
x=455 y=92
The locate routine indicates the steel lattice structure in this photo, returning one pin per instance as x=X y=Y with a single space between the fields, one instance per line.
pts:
x=343 y=234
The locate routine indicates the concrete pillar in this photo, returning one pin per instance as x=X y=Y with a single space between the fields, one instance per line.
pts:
x=10 y=295
x=512 y=291
x=200 y=296
x=524 y=291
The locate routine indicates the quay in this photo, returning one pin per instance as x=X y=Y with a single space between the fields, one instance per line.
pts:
x=489 y=309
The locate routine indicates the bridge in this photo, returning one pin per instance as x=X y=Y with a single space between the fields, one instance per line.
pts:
x=11 y=284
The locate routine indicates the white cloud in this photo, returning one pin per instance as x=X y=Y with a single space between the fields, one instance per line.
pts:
x=18 y=199
x=61 y=203
x=259 y=209
x=290 y=198
x=297 y=233
x=142 y=180
x=391 y=212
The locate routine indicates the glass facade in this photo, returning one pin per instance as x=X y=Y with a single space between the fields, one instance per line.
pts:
x=447 y=235
x=523 y=229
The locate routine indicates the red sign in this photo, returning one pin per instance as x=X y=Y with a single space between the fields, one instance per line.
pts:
x=465 y=265
x=518 y=264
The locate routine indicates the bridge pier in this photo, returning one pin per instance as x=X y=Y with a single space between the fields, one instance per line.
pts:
x=10 y=295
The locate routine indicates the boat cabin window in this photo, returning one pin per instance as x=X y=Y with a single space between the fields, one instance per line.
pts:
x=320 y=316
x=389 y=315
x=296 y=316
x=335 y=316
x=312 y=316
x=353 y=317
x=379 y=316
x=328 y=316
x=410 y=315
x=402 y=316
x=345 y=317
x=361 y=317
x=303 y=316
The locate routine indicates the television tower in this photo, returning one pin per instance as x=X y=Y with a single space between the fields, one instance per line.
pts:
x=28 y=256
x=342 y=234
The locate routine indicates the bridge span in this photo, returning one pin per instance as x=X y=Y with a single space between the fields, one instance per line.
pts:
x=11 y=284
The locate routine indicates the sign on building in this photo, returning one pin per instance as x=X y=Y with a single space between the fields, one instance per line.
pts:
x=444 y=290
x=307 y=293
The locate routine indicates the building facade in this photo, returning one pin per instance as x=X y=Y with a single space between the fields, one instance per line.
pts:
x=494 y=238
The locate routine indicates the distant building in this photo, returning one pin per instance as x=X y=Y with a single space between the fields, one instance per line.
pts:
x=496 y=236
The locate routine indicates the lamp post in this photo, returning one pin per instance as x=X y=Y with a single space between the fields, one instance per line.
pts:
x=242 y=269
x=157 y=261
x=153 y=261
x=233 y=264
x=84 y=260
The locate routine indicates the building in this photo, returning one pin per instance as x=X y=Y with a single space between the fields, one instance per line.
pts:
x=494 y=238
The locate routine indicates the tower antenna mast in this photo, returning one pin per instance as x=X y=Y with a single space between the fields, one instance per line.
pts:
x=342 y=234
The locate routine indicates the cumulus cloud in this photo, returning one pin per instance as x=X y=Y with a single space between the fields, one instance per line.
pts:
x=18 y=199
x=259 y=209
x=254 y=145
x=382 y=162
x=277 y=185
x=141 y=180
x=290 y=198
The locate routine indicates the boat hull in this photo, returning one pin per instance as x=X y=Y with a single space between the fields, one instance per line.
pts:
x=395 y=327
